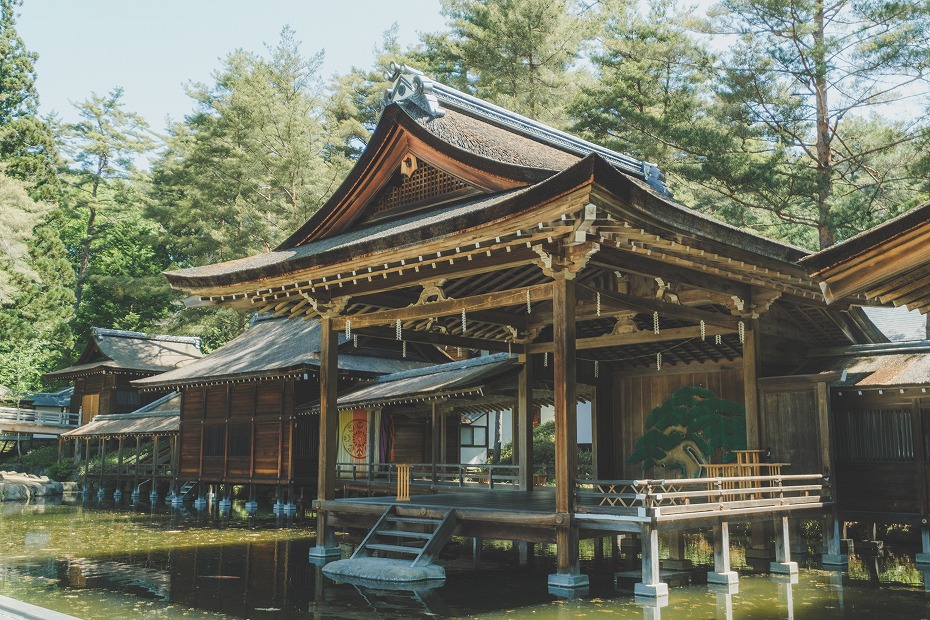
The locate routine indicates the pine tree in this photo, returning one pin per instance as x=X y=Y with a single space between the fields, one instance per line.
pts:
x=27 y=148
x=102 y=147
x=802 y=78
x=515 y=53
x=251 y=163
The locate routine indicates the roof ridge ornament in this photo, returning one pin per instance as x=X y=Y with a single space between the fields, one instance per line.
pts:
x=409 y=84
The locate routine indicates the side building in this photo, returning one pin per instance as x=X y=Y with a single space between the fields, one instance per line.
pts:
x=239 y=422
x=112 y=359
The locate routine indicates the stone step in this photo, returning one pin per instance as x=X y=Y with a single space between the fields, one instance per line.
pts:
x=394 y=548
x=405 y=534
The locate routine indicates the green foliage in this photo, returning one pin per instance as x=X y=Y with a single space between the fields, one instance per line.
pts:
x=544 y=451
x=251 y=163
x=36 y=461
x=354 y=106
x=515 y=53
x=34 y=309
x=27 y=149
x=795 y=90
x=714 y=425
x=63 y=471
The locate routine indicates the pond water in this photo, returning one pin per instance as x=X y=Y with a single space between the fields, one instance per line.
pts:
x=118 y=563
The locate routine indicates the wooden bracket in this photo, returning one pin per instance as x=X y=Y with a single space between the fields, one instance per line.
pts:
x=432 y=292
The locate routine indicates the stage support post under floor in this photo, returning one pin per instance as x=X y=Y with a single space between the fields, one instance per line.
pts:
x=722 y=573
x=783 y=564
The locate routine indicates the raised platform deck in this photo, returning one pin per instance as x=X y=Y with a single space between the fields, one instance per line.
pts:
x=601 y=506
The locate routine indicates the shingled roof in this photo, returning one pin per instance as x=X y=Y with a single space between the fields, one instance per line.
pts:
x=161 y=417
x=888 y=263
x=118 y=350
x=273 y=347
x=874 y=366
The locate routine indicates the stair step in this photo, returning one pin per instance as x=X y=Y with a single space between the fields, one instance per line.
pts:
x=405 y=534
x=397 y=519
x=394 y=548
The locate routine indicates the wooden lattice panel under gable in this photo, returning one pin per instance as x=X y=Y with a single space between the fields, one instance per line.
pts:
x=427 y=185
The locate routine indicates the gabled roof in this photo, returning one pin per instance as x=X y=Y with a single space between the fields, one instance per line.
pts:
x=118 y=350
x=646 y=207
x=492 y=148
x=889 y=263
x=875 y=366
x=273 y=347
x=161 y=417
x=462 y=378
x=61 y=398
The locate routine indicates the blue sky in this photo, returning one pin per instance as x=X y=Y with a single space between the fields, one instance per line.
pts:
x=152 y=48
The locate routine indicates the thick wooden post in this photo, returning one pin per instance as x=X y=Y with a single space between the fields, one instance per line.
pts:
x=722 y=572
x=329 y=435
x=750 y=385
x=523 y=440
x=434 y=452
x=832 y=555
x=783 y=563
x=651 y=584
x=607 y=444
x=372 y=448
x=564 y=377
x=923 y=557
x=566 y=436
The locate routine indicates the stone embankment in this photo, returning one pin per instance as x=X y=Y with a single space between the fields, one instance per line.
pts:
x=15 y=486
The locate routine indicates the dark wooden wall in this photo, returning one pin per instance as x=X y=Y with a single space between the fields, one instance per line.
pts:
x=261 y=412
x=794 y=425
x=881 y=445
x=623 y=402
x=109 y=393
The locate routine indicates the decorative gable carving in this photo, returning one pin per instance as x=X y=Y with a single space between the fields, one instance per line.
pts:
x=417 y=184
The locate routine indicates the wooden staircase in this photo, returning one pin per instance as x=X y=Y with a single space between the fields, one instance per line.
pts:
x=419 y=538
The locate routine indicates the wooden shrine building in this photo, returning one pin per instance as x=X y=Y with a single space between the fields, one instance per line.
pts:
x=465 y=225
x=238 y=409
x=112 y=359
x=146 y=447
x=881 y=409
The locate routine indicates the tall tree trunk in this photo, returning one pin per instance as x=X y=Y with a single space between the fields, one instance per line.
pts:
x=826 y=232
x=85 y=259
x=88 y=236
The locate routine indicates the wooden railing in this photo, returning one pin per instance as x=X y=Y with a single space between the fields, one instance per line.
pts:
x=40 y=418
x=455 y=474
x=695 y=497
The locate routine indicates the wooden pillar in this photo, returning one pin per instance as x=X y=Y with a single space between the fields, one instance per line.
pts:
x=434 y=452
x=920 y=456
x=329 y=423
x=155 y=460
x=783 y=563
x=750 y=384
x=372 y=449
x=606 y=457
x=444 y=437
x=651 y=584
x=923 y=557
x=833 y=556
x=523 y=413
x=135 y=469
x=722 y=572
x=119 y=462
x=103 y=459
x=566 y=443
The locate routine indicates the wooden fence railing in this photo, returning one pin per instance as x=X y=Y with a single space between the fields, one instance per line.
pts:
x=40 y=418
x=454 y=474
x=693 y=497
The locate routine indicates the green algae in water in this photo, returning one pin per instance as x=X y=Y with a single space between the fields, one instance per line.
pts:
x=95 y=563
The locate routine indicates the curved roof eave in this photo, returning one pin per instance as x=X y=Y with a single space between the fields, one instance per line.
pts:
x=393 y=117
